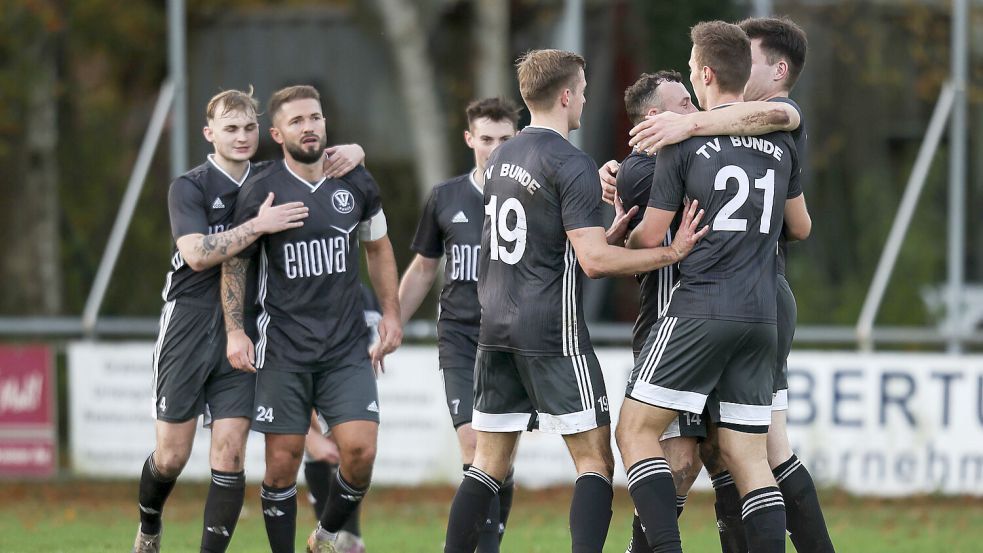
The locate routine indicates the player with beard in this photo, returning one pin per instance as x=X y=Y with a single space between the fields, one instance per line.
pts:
x=536 y=368
x=716 y=343
x=312 y=350
x=191 y=376
x=778 y=54
x=451 y=225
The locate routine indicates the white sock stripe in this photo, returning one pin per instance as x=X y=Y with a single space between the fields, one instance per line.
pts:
x=270 y=495
x=228 y=481
x=480 y=476
x=595 y=475
x=767 y=497
x=788 y=471
x=773 y=503
x=659 y=462
x=722 y=480
x=680 y=500
x=640 y=473
x=347 y=487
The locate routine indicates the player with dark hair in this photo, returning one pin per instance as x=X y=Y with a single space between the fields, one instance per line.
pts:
x=534 y=367
x=191 y=376
x=716 y=343
x=451 y=226
x=321 y=454
x=313 y=344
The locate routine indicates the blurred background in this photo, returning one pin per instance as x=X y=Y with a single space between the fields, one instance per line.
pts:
x=102 y=104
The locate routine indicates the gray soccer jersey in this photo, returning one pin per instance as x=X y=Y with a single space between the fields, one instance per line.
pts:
x=538 y=186
x=742 y=184
x=451 y=226
x=655 y=287
x=312 y=313
x=801 y=137
x=201 y=201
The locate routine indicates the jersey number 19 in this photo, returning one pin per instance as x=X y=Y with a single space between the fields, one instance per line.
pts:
x=500 y=229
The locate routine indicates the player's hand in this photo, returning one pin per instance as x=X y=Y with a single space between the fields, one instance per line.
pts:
x=658 y=131
x=339 y=160
x=322 y=448
x=275 y=218
x=390 y=337
x=618 y=230
x=609 y=181
x=688 y=236
x=239 y=349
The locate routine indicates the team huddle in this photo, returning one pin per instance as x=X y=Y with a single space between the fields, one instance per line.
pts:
x=266 y=266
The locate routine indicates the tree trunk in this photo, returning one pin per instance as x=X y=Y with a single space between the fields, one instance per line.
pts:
x=408 y=43
x=491 y=41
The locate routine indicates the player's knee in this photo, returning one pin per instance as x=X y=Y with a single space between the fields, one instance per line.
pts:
x=228 y=455
x=170 y=462
x=360 y=456
x=710 y=456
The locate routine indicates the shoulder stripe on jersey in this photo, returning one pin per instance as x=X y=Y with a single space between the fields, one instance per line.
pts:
x=263 y=321
x=658 y=348
x=165 y=321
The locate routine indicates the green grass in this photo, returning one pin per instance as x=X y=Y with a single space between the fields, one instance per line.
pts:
x=101 y=517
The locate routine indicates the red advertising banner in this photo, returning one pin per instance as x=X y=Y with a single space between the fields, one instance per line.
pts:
x=27 y=412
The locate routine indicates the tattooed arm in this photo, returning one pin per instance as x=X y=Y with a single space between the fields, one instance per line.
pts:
x=201 y=251
x=239 y=348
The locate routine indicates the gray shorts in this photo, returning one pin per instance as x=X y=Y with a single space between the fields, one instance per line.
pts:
x=459 y=390
x=687 y=425
x=191 y=373
x=787 y=313
x=285 y=400
x=556 y=394
x=685 y=362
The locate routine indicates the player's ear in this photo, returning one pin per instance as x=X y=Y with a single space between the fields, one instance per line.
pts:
x=275 y=134
x=468 y=139
x=781 y=70
x=707 y=75
x=651 y=112
x=565 y=97
x=207 y=132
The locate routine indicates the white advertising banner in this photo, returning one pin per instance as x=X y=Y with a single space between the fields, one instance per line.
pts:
x=881 y=424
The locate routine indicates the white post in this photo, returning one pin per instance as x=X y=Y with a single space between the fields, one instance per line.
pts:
x=957 y=176
x=570 y=37
x=178 y=74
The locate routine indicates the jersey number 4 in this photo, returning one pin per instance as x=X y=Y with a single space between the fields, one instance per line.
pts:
x=723 y=220
x=500 y=229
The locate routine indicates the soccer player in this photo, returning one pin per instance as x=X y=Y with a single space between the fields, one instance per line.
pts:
x=717 y=338
x=313 y=343
x=778 y=54
x=191 y=376
x=534 y=366
x=451 y=225
x=321 y=452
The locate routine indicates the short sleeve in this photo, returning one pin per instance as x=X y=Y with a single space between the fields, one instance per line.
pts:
x=579 y=188
x=429 y=239
x=634 y=184
x=186 y=208
x=668 y=182
x=251 y=197
x=795 y=178
x=373 y=221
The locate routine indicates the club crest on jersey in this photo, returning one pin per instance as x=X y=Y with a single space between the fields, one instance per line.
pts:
x=343 y=201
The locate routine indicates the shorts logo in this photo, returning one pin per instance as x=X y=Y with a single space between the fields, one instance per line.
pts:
x=374 y=407
x=343 y=201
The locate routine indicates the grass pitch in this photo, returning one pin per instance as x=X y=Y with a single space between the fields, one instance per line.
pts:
x=83 y=517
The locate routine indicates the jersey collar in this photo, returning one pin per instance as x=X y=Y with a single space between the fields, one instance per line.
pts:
x=475 y=184
x=211 y=159
x=545 y=128
x=313 y=186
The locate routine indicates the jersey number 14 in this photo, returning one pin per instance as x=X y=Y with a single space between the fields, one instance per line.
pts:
x=501 y=231
x=723 y=220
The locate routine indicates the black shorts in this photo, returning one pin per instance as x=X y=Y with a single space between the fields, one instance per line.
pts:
x=787 y=313
x=556 y=394
x=686 y=361
x=456 y=344
x=459 y=390
x=191 y=373
x=285 y=400
x=687 y=425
